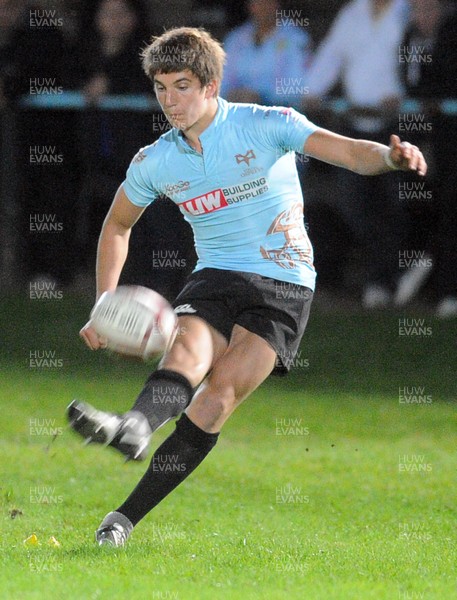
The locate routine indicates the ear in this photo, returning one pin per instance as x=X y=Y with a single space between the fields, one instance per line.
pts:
x=211 y=89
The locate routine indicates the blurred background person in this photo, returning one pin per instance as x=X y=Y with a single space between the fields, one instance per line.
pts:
x=430 y=74
x=109 y=60
x=11 y=12
x=45 y=67
x=361 y=53
x=111 y=66
x=31 y=48
x=110 y=50
x=420 y=39
x=267 y=58
x=443 y=82
x=11 y=15
x=416 y=55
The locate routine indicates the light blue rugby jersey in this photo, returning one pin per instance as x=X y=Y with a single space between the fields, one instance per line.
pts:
x=242 y=195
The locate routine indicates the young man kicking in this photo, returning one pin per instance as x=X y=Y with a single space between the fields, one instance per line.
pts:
x=231 y=169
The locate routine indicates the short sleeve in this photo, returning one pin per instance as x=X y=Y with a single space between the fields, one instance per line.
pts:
x=286 y=128
x=137 y=185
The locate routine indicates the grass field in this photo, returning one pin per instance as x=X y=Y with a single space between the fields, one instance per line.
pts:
x=326 y=485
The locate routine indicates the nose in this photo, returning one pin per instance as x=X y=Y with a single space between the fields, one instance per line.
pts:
x=170 y=98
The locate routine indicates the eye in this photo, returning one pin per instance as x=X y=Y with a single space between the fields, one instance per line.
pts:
x=183 y=87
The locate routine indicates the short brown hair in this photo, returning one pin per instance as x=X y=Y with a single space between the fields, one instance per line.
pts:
x=184 y=48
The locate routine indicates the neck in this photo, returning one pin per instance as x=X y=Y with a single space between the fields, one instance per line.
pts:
x=112 y=46
x=379 y=7
x=193 y=133
x=263 y=30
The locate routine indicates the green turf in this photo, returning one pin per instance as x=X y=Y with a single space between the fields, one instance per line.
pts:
x=329 y=513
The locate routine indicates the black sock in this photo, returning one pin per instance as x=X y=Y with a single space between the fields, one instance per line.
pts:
x=172 y=462
x=165 y=395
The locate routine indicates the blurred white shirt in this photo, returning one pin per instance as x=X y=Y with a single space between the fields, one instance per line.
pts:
x=362 y=52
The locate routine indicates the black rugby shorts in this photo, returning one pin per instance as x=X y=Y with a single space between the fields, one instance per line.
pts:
x=275 y=310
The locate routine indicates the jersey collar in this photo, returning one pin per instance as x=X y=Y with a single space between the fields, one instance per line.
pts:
x=205 y=136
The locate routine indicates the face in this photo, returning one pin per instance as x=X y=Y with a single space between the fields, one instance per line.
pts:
x=380 y=4
x=425 y=14
x=115 y=19
x=10 y=12
x=263 y=10
x=182 y=97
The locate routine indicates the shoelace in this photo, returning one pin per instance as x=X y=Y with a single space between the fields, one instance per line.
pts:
x=115 y=531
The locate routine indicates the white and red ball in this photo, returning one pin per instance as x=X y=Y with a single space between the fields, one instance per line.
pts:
x=135 y=320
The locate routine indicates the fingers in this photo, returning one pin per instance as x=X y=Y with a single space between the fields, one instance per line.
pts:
x=394 y=141
x=406 y=156
x=91 y=337
x=422 y=166
x=412 y=159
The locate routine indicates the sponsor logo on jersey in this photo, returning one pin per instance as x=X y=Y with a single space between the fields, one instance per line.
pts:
x=251 y=171
x=139 y=157
x=205 y=204
x=184 y=308
x=245 y=191
x=223 y=197
x=246 y=158
x=176 y=188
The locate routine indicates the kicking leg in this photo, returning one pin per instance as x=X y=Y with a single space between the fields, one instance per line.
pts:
x=247 y=362
x=165 y=395
x=169 y=390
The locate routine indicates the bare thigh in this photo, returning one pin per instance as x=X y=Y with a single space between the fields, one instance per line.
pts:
x=244 y=365
x=196 y=349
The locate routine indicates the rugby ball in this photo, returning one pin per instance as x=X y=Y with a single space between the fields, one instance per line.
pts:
x=135 y=321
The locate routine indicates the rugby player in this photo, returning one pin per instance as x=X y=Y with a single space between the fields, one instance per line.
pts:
x=231 y=169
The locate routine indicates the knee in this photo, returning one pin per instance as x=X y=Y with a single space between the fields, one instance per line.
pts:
x=223 y=402
x=186 y=360
x=210 y=410
x=214 y=403
x=225 y=395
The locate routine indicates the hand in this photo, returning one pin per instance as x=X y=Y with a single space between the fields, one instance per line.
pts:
x=91 y=337
x=406 y=157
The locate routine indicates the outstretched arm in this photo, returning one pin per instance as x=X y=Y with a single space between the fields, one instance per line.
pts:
x=365 y=157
